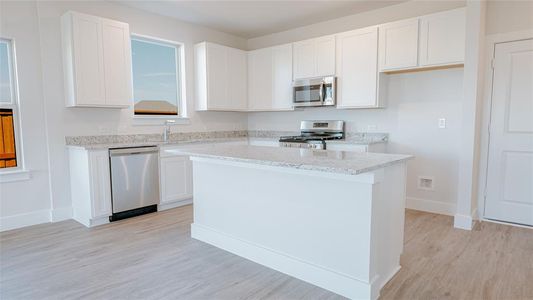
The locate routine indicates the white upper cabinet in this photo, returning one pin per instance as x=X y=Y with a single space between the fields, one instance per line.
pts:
x=270 y=79
x=398 y=45
x=314 y=58
x=96 y=61
x=442 y=38
x=282 y=77
x=220 y=77
x=260 y=75
x=357 y=68
x=432 y=40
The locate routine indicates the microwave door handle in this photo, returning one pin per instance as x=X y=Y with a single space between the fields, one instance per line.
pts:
x=321 y=92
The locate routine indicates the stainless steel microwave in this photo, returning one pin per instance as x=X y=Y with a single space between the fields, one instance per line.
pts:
x=314 y=92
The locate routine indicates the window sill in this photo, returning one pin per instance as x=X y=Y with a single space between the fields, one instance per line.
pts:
x=15 y=175
x=158 y=120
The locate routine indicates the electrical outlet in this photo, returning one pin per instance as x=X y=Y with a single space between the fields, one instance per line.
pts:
x=442 y=123
x=426 y=183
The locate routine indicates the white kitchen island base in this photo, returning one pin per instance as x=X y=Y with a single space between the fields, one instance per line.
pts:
x=341 y=232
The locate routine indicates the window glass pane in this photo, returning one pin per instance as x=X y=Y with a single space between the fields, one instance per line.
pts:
x=155 y=82
x=5 y=79
x=8 y=155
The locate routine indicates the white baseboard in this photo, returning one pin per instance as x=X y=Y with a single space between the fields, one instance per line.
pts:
x=23 y=220
x=61 y=214
x=437 y=207
x=165 y=206
x=328 y=279
x=463 y=222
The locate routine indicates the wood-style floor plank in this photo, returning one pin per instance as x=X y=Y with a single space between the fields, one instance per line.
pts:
x=153 y=257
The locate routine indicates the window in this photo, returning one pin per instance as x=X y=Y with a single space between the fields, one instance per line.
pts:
x=8 y=107
x=156 y=67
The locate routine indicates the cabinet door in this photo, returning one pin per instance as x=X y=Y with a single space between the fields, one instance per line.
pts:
x=217 y=77
x=117 y=63
x=325 y=56
x=100 y=183
x=175 y=178
x=304 y=59
x=357 y=65
x=282 y=77
x=260 y=79
x=398 y=45
x=442 y=38
x=88 y=60
x=237 y=77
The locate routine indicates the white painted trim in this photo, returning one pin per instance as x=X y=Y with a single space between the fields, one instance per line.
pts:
x=16 y=175
x=23 y=220
x=490 y=45
x=292 y=266
x=173 y=204
x=463 y=222
x=432 y=206
x=507 y=223
x=61 y=214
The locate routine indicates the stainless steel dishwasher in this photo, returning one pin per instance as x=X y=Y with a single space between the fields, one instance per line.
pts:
x=134 y=181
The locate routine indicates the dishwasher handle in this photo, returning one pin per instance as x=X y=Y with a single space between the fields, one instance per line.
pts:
x=132 y=151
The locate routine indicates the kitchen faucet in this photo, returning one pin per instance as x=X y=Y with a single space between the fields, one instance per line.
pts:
x=166 y=133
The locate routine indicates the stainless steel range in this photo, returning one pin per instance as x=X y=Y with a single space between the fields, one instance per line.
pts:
x=314 y=134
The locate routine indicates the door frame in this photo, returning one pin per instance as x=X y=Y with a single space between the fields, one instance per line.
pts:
x=490 y=47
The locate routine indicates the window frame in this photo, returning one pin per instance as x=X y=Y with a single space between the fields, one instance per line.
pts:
x=15 y=106
x=182 y=117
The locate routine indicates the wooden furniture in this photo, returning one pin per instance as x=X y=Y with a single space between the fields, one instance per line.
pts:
x=96 y=61
x=8 y=154
x=270 y=79
x=314 y=57
x=220 y=78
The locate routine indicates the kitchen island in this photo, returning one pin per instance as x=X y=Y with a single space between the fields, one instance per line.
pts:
x=332 y=218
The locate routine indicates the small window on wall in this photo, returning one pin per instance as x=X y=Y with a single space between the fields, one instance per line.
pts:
x=157 y=74
x=8 y=107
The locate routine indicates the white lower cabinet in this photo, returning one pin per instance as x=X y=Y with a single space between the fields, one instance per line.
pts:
x=175 y=177
x=90 y=186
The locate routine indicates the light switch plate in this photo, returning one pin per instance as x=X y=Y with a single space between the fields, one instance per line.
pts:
x=442 y=123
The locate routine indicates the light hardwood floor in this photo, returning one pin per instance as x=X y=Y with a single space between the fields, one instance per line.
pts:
x=153 y=257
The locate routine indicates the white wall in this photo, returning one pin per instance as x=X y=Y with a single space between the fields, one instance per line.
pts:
x=36 y=27
x=416 y=101
x=508 y=16
x=22 y=202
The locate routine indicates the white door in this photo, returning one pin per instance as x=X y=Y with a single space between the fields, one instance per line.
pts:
x=357 y=68
x=398 y=45
x=509 y=190
x=117 y=63
x=442 y=38
x=260 y=79
x=325 y=56
x=217 y=77
x=282 y=77
x=175 y=178
x=304 y=59
x=237 y=79
x=89 y=60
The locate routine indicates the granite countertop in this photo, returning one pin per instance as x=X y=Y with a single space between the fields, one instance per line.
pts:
x=342 y=162
x=104 y=146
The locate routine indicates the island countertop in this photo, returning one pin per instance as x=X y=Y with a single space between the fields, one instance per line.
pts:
x=343 y=162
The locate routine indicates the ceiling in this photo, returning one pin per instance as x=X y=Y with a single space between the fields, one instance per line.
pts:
x=249 y=19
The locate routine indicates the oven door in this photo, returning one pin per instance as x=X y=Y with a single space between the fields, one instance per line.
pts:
x=308 y=92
